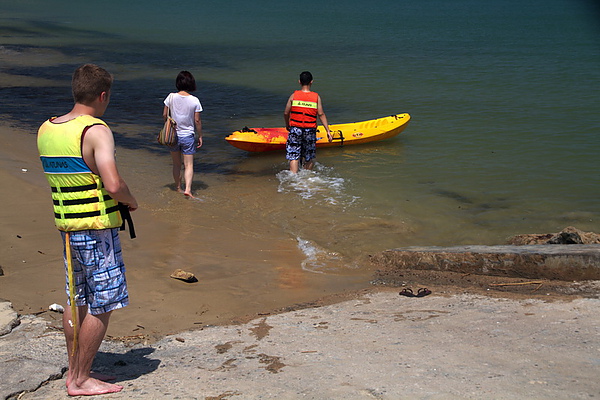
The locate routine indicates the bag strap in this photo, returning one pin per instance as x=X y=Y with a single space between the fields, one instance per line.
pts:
x=170 y=101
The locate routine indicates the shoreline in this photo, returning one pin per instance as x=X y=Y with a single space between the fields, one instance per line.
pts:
x=240 y=277
x=238 y=274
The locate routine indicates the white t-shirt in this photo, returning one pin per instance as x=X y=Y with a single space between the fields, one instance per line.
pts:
x=183 y=109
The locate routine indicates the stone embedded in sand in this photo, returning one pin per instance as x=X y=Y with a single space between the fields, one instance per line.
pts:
x=184 y=276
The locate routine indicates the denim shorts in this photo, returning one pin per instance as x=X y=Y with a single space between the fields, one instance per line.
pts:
x=301 y=143
x=185 y=144
x=98 y=269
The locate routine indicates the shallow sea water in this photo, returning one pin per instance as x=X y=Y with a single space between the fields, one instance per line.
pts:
x=504 y=97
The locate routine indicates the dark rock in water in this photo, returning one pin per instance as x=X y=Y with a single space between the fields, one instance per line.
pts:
x=566 y=238
x=569 y=235
x=1 y=271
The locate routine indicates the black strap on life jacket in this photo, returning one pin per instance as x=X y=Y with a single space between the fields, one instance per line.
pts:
x=71 y=189
x=126 y=216
x=87 y=214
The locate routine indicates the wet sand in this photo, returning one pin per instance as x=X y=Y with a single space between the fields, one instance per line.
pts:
x=239 y=274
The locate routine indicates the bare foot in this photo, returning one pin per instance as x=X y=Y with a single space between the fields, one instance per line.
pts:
x=91 y=387
x=188 y=194
x=95 y=375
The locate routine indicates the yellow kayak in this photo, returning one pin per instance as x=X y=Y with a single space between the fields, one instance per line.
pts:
x=269 y=139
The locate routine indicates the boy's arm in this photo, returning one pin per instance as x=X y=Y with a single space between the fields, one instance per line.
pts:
x=323 y=118
x=99 y=154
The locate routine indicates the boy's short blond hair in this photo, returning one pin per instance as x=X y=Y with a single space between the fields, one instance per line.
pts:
x=88 y=82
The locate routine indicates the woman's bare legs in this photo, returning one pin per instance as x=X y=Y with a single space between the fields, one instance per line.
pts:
x=176 y=156
x=188 y=173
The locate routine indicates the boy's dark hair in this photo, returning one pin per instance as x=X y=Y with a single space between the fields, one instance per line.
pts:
x=185 y=81
x=88 y=82
x=306 y=78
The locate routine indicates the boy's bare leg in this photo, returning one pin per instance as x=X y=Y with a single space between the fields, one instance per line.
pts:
x=294 y=166
x=309 y=165
x=69 y=334
x=91 y=332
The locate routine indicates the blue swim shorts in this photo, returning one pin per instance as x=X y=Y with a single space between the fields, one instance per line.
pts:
x=185 y=144
x=301 y=143
x=98 y=269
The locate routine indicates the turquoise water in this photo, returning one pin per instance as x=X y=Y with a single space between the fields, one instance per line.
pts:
x=504 y=136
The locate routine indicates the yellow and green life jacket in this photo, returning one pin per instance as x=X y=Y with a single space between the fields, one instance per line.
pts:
x=80 y=199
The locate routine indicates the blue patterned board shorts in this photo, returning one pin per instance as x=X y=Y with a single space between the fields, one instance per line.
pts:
x=185 y=144
x=301 y=143
x=98 y=269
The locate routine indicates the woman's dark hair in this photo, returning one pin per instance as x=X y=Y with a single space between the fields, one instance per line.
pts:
x=185 y=81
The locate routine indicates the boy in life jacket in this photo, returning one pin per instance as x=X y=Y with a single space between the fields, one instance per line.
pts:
x=300 y=116
x=77 y=151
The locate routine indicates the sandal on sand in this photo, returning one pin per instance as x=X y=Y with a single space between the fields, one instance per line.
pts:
x=407 y=292
x=423 y=292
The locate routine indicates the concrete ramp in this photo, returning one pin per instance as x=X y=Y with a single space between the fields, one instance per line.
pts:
x=565 y=262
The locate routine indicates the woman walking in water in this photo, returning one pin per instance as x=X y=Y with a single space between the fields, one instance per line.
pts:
x=185 y=110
